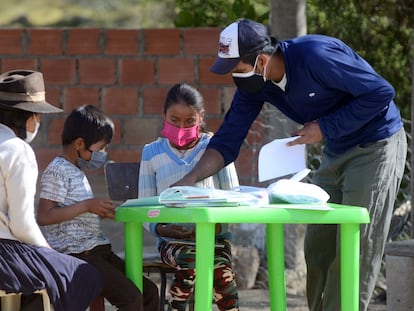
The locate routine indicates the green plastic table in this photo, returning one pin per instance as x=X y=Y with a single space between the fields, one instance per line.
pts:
x=137 y=211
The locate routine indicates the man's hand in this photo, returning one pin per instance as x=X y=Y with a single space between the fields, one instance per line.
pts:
x=309 y=134
x=210 y=163
x=185 y=181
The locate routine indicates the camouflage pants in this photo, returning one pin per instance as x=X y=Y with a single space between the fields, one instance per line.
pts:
x=182 y=257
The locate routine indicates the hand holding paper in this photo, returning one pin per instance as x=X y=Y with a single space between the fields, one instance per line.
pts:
x=277 y=159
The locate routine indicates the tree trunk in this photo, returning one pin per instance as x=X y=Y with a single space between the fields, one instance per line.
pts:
x=288 y=18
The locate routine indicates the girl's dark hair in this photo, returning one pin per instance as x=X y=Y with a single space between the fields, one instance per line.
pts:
x=87 y=122
x=15 y=119
x=186 y=94
x=269 y=49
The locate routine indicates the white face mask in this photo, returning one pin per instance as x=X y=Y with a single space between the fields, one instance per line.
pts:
x=29 y=135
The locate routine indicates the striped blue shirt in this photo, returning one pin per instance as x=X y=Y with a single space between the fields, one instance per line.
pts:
x=162 y=165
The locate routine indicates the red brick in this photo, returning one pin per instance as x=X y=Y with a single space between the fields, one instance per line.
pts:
x=201 y=40
x=245 y=158
x=256 y=133
x=136 y=71
x=227 y=96
x=53 y=96
x=124 y=155
x=45 y=42
x=213 y=123
x=55 y=129
x=170 y=56
x=121 y=42
x=78 y=96
x=117 y=138
x=174 y=70
x=83 y=41
x=18 y=63
x=96 y=71
x=45 y=155
x=59 y=71
x=207 y=77
x=139 y=131
x=211 y=98
x=11 y=41
x=154 y=100
x=120 y=101
x=162 y=41
x=246 y=166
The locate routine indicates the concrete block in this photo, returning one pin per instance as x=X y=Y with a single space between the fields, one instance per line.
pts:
x=400 y=283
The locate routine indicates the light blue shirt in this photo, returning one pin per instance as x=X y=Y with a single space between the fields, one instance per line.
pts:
x=162 y=165
x=66 y=184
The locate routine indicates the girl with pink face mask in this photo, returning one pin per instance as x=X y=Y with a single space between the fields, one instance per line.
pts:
x=166 y=161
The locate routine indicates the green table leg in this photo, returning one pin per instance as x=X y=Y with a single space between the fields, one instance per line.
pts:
x=204 y=266
x=350 y=267
x=276 y=266
x=133 y=252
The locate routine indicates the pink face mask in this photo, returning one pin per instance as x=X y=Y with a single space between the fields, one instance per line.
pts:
x=180 y=136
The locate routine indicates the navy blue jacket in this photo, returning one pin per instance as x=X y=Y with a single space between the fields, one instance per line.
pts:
x=326 y=81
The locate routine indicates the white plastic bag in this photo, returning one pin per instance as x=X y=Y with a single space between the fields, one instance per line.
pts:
x=293 y=191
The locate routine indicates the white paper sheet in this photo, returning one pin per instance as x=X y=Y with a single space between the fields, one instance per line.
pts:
x=315 y=207
x=276 y=159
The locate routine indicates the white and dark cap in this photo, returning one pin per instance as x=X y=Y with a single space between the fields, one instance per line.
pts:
x=25 y=90
x=239 y=39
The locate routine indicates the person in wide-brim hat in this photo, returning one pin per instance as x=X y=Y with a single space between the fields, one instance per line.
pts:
x=25 y=90
x=22 y=100
x=71 y=284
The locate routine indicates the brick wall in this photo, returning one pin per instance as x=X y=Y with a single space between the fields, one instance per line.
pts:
x=127 y=73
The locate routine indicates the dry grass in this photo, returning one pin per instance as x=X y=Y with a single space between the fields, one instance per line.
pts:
x=87 y=13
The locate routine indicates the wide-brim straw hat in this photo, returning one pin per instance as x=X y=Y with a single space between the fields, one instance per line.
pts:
x=25 y=90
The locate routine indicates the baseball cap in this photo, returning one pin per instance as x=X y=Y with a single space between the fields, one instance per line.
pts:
x=240 y=38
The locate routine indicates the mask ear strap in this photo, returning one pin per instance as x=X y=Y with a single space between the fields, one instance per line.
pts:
x=34 y=117
x=264 y=70
x=255 y=62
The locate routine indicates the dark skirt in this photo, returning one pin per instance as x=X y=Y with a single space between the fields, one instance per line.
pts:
x=72 y=284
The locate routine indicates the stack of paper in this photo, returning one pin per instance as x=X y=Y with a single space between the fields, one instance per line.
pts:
x=187 y=196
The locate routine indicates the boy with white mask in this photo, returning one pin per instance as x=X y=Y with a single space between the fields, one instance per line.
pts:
x=70 y=215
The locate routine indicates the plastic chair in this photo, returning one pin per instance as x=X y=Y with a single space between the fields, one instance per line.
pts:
x=122 y=180
x=122 y=184
x=11 y=301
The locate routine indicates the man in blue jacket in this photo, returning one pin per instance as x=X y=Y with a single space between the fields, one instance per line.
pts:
x=321 y=83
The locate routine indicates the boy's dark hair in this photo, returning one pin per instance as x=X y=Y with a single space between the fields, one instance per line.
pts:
x=87 y=122
x=15 y=119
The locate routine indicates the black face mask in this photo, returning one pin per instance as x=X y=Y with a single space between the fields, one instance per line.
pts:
x=251 y=84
